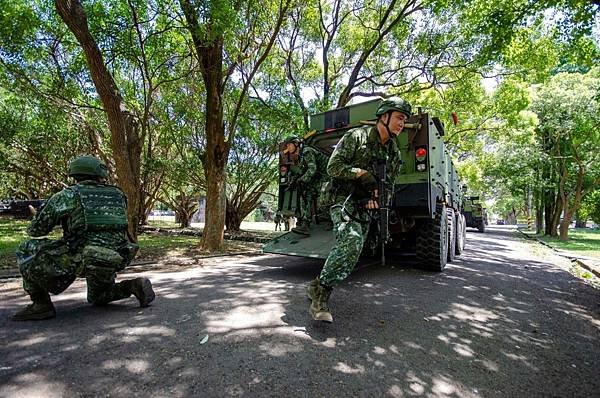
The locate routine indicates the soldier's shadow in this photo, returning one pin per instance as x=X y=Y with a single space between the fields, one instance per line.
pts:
x=304 y=324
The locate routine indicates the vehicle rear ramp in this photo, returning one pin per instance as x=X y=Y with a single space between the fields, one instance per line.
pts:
x=317 y=245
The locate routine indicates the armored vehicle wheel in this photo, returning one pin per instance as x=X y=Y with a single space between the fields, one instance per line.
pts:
x=464 y=242
x=432 y=241
x=452 y=228
x=481 y=226
x=461 y=231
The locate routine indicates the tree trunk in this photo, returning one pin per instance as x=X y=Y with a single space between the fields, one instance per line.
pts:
x=555 y=220
x=549 y=199
x=539 y=207
x=216 y=152
x=214 y=161
x=208 y=42
x=564 y=228
x=183 y=217
x=548 y=214
x=214 y=226
x=539 y=220
x=143 y=218
x=125 y=141
x=147 y=202
x=184 y=205
x=569 y=212
x=233 y=220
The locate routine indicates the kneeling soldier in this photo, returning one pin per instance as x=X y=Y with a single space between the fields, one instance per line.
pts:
x=94 y=245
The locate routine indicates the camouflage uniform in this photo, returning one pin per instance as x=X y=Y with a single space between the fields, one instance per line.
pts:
x=312 y=174
x=94 y=244
x=360 y=148
x=360 y=151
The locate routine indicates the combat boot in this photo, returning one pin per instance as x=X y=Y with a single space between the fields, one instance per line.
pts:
x=319 y=308
x=303 y=228
x=41 y=308
x=311 y=290
x=141 y=288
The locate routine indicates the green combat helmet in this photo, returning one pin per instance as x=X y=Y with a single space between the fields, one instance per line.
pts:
x=292 y=138
x=87 y=166
x=394 y=104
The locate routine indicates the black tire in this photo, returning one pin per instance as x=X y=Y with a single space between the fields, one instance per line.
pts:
x=464 y=243
x=461 y=234
x=432 y=241
x=481 y=226
x=452 y=228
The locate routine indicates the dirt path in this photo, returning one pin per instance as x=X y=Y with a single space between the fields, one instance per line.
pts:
x=506 y=319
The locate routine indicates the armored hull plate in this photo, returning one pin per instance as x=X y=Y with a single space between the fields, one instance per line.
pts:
x=317 y=245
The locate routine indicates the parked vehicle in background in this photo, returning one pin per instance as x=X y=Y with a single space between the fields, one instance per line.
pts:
x=474 y=212
x=20 y=208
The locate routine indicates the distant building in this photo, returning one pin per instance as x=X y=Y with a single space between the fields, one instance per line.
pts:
x=200 y=214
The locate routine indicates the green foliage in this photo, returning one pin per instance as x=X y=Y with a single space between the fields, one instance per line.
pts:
x=590 y=207
x=434 y=54
x=253 y=163
x=18 y=25
x=567 y=108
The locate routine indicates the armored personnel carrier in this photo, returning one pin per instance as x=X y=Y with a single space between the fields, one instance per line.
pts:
x=425 y=198
x=474 y=213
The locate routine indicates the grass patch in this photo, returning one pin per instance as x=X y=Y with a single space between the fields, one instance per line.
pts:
x=156 y=245
x=262 y=233
x=163 y=224
x=152 y=246
x=582 y=241
x=12 y=232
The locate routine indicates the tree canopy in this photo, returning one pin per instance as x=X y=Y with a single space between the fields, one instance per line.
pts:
x=189 y=98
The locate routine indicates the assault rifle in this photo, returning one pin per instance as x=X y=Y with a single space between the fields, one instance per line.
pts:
x=383 y=205
x=20 y=209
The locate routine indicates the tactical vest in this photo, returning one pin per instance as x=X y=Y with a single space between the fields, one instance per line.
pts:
x=320 y=160
x=321 y=164
x=103 y=208
x=366 y=153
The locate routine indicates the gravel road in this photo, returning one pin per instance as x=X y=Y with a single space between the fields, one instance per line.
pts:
x=504 y=320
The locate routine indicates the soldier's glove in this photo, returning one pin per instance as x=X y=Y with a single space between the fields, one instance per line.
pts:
x=368 y=182
x=364 y=186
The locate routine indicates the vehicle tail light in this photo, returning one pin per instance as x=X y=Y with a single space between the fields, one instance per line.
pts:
x=421 y=158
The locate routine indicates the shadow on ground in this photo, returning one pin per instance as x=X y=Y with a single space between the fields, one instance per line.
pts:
x=495 y=323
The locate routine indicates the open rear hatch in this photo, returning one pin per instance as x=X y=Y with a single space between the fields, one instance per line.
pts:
x=317 y=245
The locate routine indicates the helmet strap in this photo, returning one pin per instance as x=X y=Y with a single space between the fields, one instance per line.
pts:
x=387 y=124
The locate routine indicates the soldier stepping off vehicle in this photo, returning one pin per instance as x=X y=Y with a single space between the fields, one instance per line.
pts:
x=354 y=189
x=392 y=185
